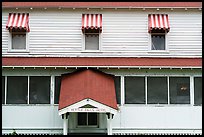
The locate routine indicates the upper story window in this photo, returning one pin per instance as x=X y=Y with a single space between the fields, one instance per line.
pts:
x=91 y=28
x=18 y=26
x=158 y=29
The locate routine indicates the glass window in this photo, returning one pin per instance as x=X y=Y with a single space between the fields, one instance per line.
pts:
x=39 y=90
x=157 y=90
x=57 y=89
x=117 y=88
x=3 y=90
x=17 y=89
x=134 y=90
x=18 y=41
x=91 y=41
x=198 y=90
x=87 y=119
x=158 y=42
x=179 y=90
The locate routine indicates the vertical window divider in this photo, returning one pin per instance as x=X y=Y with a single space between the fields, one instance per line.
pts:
x=52 y=89
x=122 y=90
x=146 y=90
x=168 y=99
x=5 y=89
x=28 y=101
x=192 y=90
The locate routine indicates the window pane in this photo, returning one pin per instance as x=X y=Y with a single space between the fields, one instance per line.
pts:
x=157 y=91
x=179 y=90
x=39 y=90
x=3 y=90
x=18 y=41
x=117 y=88
x=92 y=42
x=134 y=90
x=17 y=90
x=198 y=91
x=82 y=119
x=57 y=88
x=92 y=118
x=158 y=42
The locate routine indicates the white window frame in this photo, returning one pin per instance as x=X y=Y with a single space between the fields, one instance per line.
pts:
x=84 y=46
x=150 y=43
x=18 y=50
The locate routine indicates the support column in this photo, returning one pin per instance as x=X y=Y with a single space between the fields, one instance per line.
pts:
x=65 y=118
x=109 y=123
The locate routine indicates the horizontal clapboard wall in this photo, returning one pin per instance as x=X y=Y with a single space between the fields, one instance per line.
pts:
x=125 y=33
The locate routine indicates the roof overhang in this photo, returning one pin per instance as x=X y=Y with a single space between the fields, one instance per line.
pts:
x=102 y=4
x=101 y=62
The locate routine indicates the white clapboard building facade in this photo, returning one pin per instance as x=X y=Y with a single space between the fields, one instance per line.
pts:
x=102 y=68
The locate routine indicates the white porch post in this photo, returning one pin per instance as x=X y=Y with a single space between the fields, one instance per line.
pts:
x=65 y=123
x=109 y=123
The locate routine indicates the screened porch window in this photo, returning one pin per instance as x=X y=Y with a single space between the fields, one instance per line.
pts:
x=17 y=90
x=117 y=89
x=157 y=92
x=3 y=89
x=198 y=90
x=57 y=89
x=39 y=90
x=134 y=90
x=179 y=90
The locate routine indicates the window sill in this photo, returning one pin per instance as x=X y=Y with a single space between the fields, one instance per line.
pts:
x=159 y=51
x=91 y=51
x=18 y=51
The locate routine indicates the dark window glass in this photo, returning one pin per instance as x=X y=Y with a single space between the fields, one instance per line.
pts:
x=87 y=119
x=57 y=88
x=3 y=90
x=198 y=90
x=92 y=42
x=39 y=90
x=82 y=118
x=17 y=90
x=134 y=90
x=157 y=90
x=158 y=42
x=179 y=90
x=92 y=119
x=117 y=88
x=18 y=41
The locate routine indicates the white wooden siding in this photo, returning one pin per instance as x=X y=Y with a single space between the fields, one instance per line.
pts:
x=125 y=33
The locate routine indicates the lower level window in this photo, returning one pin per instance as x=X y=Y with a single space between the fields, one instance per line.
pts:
x=198 y=90
x=179 y=90
x=39 y=90
x=87 y=119
x=17 y=90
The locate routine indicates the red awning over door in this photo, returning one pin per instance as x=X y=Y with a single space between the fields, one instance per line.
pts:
x=158 y=22
x=91 y=21
x=87 y=83
x=18 y=21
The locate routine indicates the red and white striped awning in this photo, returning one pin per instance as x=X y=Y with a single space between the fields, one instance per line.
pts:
x=91 y=21
x=18 y=21
x=158 y=22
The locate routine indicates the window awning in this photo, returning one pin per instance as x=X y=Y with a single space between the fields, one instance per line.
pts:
x=87 y=87
x=18 y=21
x=91 y=22
x=158 y=22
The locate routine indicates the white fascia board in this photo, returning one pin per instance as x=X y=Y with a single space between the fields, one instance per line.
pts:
x=100 y=108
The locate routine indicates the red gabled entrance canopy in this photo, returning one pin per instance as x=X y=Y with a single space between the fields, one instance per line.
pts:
x=87 y=84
